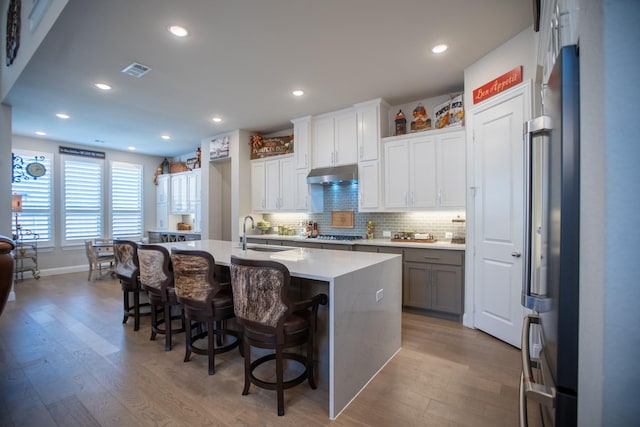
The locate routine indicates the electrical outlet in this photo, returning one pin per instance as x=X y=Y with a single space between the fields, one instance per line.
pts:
x=386 y=234
x=448 y=235
x=379 y=295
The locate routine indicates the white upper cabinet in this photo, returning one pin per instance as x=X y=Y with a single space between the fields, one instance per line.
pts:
x=372 y=125
x=162 y=190
x=369 y=186
x=258 y=196
x=302 y=142
x=451 y=170
x=273 y=184
x=185 y=192
x=334 y=139
x=425 y=171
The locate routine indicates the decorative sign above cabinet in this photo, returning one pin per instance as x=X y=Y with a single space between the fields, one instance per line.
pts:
x=219 y=148
x=262 y=147
x=494 y=87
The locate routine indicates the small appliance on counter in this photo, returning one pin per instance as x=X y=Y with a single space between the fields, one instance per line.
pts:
x=458 y=230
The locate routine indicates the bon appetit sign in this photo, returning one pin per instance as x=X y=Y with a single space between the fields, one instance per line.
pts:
x=494 y=87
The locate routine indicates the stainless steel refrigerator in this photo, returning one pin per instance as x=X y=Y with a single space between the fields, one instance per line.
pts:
x=549 y=380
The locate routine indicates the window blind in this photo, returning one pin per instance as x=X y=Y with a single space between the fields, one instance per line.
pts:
x=37 y=204
x=126 y=200
x=82 y=199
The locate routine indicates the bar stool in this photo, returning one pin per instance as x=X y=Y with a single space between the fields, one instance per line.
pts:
x=128 y=271
x=271 y=321
x=205 y=301
x=156 y=277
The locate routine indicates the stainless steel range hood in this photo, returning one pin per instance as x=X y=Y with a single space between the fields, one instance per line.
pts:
x=346 y=173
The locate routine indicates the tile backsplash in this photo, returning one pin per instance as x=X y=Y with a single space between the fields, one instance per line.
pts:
x=345 y=197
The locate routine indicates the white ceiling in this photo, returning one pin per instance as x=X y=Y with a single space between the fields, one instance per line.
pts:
x=241 y=61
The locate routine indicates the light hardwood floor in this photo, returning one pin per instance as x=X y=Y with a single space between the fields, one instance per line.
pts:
x=66 y=360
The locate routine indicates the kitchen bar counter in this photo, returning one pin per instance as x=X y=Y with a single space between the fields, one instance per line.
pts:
x=364 y=310
x=444 y=244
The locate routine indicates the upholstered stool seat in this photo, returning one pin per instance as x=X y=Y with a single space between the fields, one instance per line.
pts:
x=271 y=321
x=156 y=277
x=207 y=302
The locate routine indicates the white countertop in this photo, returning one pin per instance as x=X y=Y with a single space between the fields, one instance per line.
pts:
x=309 y=263
x=444 y=244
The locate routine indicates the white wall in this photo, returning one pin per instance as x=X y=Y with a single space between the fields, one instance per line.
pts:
x=56 y=259
x=6 y=168
x=29 y=41
x=520 y=50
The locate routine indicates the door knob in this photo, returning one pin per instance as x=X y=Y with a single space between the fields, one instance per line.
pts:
x=516 y=254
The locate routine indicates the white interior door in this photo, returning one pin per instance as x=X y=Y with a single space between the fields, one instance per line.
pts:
x=499 y=217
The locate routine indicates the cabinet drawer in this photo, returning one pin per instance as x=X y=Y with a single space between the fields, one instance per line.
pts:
x=435 y=256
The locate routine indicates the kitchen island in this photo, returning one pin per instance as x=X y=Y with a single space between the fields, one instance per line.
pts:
x=364 y=311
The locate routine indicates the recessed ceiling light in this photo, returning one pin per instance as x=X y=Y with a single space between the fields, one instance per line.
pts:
x=131 y=148
x=298 y=92
x=103 y=86
x=62 y=116
x=217 y=119
x=439 y=48
x=165 y=137
x=40 y=133
x=178 y=31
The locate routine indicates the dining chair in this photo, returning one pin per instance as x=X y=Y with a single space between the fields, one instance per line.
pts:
x=272 y=322
x=97 y=261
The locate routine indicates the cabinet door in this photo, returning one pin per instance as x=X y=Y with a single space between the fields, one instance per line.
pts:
x=446 y=288
x=179 y=194
x=257 y=186
x=346 y=139
x=396 y=175
x=301 y=142
x=422 y=173
x=272 y=185
x=162 y=216
x=301 y=190
x=287 y=197
x=452 y=170
x=192 y=191
x=322 y=142
x=415 y=287
x=369 y=186
x=162 y=190
x=368 y=132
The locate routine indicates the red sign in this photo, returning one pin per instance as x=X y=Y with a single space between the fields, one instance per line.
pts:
x=494 y=87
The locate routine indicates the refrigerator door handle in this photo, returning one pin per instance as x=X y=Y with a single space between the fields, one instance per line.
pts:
x=532 y=128
x=528 y=387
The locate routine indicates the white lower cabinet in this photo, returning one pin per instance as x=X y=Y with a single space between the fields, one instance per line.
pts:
x=425 y=171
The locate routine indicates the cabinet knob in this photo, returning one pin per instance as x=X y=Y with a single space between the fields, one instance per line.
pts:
x=516 y=254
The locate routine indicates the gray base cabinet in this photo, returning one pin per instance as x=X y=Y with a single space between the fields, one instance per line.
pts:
x=434 y=280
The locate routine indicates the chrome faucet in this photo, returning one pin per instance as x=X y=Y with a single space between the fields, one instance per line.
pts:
x=244 y=230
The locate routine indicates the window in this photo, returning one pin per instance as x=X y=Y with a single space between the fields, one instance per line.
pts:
x=82 y=199
x=126 y=200
x=37 y=200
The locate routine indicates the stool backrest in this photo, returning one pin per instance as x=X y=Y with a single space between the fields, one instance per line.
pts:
x=260 y=291
x=194 y=277
x=155 y=268
x=126 y=260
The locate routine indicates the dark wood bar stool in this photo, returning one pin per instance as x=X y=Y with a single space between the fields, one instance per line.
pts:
x=156 y=277
x=205 y=301
x=273 y=322
x=128 y=271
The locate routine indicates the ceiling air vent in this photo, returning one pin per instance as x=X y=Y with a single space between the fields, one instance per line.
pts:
x=136 y=70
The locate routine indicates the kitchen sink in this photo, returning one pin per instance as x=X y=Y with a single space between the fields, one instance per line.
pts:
x=267 y=249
